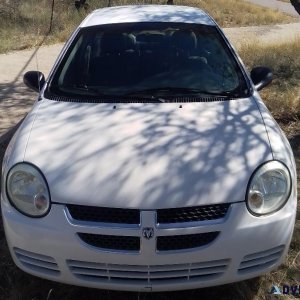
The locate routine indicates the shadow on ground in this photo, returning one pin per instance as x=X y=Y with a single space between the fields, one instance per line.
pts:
x=16 y=105
x=16 y=99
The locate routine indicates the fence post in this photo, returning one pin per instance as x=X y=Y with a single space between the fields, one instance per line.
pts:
x=51 y=20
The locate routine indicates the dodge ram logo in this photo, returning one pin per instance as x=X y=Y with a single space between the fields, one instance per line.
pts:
x=148 y=233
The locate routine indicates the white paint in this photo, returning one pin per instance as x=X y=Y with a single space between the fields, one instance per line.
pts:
x=147 y=13
x=145 y=156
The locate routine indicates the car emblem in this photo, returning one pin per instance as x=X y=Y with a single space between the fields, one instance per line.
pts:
x=148 y=233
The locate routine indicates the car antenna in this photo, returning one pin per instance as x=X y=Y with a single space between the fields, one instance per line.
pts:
x=43 y=40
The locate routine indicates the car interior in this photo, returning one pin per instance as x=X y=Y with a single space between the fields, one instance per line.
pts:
x=173 y=57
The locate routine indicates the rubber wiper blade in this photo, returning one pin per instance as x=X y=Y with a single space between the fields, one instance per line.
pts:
x=151 y=91
x=171 y=91
x=99 y=93
x=143 y=96
x=83 y=87
x=90 y=91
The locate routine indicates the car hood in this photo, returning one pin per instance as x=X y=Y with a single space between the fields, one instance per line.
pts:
x=147 y=156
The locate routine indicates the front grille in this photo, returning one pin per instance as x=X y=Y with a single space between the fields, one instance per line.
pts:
x=132 y=242
x=144 y=274
x=192 y=214
x=104 y=214
x=179 y=242
x=260 y=260
x=37 y=262
x=132 y=216
x=115 y=242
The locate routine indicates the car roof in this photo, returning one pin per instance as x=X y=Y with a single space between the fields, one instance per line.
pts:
x=147 y=13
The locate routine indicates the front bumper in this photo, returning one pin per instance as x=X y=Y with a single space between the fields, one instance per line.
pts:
x=246 y=247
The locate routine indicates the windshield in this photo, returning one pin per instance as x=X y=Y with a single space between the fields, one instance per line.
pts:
x=157 y=59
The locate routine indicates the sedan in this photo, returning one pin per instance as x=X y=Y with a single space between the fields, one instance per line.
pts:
x=149 y=161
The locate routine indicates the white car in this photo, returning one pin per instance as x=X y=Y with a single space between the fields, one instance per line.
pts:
x=149 y=161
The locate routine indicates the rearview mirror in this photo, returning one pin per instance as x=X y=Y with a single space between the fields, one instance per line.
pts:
x=35 y=80
x=261 y=77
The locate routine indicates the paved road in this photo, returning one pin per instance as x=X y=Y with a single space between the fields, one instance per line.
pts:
x=16 y=99
x=277 y=5
x=268 y=34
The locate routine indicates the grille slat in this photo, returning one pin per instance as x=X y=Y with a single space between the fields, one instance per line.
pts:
x=104 y=214
x=205 y=271
x=157 y=274
x=257 y=267
x=114 y=242
x=192 y=214
x=88 y=271
x=260 y=260
x=34 y=255
x=87 y=265
x=37 y=262
x=176 y=267
x=215 y=263
x=41 y=269
x=145 y=275
x=180 y=242
x=263 y=253
x=122 y=274
x=128 y=268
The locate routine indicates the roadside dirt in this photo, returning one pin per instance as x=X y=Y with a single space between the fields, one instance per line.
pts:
x=15 y=99
x=285 y=7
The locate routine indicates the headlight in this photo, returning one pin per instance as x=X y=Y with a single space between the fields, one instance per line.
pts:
x=27 y=190
x=269 y=188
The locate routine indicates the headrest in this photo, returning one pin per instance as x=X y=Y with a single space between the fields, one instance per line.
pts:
x=184 y=39
x=117 y=42
x=150 y=38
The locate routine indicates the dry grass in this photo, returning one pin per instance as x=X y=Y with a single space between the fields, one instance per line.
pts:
x=283 y=96
x=232 y=13
x=30 y=22
x=24 y=24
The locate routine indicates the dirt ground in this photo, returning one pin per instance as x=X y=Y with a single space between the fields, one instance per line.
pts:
x=285 y=7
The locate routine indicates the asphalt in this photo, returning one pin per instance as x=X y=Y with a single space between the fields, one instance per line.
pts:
x=277 y=5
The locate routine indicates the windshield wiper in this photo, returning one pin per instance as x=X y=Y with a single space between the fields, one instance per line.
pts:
x=96 y=92
x=80 y=87
x=143 y=96
x=171 y=91
x=152 y=91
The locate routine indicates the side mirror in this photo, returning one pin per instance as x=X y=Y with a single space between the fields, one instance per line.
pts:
x=35 y=80
x=261 y=77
